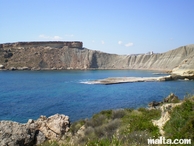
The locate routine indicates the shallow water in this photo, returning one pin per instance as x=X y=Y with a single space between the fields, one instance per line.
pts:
x=29 y=94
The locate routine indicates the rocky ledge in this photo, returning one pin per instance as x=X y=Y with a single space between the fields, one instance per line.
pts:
x=120 y=80
x=33 y=132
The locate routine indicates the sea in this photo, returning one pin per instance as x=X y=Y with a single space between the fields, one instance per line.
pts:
x=29 y=94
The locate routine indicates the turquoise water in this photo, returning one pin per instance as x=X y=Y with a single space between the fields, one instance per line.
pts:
x=29 y=94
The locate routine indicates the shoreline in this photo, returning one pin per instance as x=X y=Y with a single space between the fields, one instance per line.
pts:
x=64 y=69
x=59 y=129
x=121 y=80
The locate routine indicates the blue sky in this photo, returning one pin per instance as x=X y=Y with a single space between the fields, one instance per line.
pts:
x=112 y=26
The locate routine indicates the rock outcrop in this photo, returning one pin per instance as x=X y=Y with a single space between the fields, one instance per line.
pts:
x=34 y=131
x=171 y=98
x=154 y=104
x=165 y=116
x=72 y=55
x=166 y=107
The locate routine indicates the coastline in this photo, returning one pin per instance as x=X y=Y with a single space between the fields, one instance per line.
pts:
x=49 y=58
x=116 y=123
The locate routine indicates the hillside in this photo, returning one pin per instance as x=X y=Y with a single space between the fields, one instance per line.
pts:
x=72 y=55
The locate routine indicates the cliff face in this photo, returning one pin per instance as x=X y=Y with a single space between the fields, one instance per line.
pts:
x=72 y=55
x=180 y=58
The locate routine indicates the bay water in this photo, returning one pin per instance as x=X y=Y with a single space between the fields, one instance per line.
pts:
x=28 y=94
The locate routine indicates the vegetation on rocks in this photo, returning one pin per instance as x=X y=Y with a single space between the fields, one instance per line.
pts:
x=181 y=123
x=114 y=127
x=130 y=127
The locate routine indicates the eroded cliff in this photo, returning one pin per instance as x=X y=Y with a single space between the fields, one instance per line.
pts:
x=72 y=55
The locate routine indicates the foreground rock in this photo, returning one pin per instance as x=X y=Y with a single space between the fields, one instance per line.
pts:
x=34 y=131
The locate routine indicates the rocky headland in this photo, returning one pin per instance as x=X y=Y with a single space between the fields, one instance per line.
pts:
x=72 y=55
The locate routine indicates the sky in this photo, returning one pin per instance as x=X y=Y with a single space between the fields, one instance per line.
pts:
x=112 y=26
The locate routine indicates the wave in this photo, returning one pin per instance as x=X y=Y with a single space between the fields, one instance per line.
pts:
x=160 y=73
x=86 y=82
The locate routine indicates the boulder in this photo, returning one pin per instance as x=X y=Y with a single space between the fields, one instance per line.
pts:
x=12 y=68
x=2 y=66
x=16 y=134
x=23 y=68
x=33 y=132
x=171 y=98
x=55 y=126
x=153 y=104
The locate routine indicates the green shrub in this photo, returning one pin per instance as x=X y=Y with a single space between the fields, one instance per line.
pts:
x=97 y=120
x=188 y=128
x=111 y=127
x=117 y=114
x=105 y=142
x=89 y=131
x=100 y=131
x=136 y=138
x=181 y=123
x=76 y=126
x=140 y=120
x=106 y=113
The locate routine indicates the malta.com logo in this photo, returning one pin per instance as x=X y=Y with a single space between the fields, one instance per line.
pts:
x=163 y=140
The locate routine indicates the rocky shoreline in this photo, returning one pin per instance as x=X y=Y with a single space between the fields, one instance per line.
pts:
x=33 y=132
x=121 y=80
x=57 y=127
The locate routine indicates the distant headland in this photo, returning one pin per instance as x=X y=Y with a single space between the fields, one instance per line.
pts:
x=61 y=55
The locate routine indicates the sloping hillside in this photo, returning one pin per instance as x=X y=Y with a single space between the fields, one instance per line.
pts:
x=72 y=55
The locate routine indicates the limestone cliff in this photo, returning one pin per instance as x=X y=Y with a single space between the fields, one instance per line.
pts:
x=72 y=55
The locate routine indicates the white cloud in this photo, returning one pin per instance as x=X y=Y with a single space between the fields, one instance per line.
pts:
x=42 y=36
x=103 y=42
x=93 y=41
x=129 y=44
x=57 y=38
x=46 y=37
x=69 y=35
x=120 y=42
